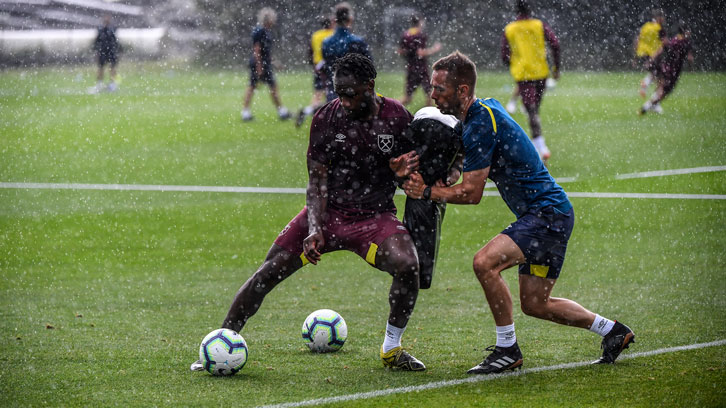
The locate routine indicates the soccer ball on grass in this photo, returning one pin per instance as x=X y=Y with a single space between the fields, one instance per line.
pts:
x=324 y=331
x=223 y=352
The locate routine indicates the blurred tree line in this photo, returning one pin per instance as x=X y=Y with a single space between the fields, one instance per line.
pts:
x=594 y=35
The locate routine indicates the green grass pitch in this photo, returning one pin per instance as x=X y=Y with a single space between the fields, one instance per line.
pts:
x=105 y=295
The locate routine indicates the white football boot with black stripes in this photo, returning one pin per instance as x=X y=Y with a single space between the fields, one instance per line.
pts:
x=500 y=359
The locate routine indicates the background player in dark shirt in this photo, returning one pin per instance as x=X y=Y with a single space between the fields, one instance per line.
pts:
x=413 y=48
x=261 y=63
x=340 y=43
x=668 y=65
x=349 y=204
x=107 y=49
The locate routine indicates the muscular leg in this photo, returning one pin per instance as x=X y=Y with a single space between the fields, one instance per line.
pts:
x=397 y=256
x=278 y=265
x=497 y=255
x=534 y=294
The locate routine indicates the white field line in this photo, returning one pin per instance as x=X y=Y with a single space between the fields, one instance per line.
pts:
x=481 y=378
x=275 y=190
x=152 y=187
x=670 y=172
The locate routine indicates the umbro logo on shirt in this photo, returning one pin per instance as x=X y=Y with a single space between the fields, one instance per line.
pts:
x=340 y=137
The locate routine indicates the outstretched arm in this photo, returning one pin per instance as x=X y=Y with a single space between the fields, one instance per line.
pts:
x=469 y=191
x=316 y=200
x=425 y=52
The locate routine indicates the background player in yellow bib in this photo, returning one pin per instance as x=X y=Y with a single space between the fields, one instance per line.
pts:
x=523 y=48
x=316 y=59
x=648 y=44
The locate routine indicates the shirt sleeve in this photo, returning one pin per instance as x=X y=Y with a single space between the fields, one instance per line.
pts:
x=506 y=52
x=478 y=147
x=318 y=147
x=554 y=44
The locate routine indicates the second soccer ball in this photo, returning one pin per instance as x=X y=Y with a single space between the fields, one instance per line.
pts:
x=324 y=331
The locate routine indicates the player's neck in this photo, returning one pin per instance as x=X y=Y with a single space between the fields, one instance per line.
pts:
x=466 y=104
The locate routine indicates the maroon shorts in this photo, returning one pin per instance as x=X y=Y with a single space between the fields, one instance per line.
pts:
x=362 y=235
x=417 y=78
x=668 y=80
x=531 y=92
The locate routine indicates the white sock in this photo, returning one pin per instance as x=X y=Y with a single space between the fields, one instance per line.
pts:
x=647 y=105
x=601 y=325
x=539 y=143
x=393 y=337
x=282 y=111
x=647 y=80
x=506 y=337
x=308 y=110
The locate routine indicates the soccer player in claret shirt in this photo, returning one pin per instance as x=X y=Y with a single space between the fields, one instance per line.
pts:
x=523 y=49
x=349 y=204
x=668 y=65
x=261 y=64
x=647 y=45
x=495 y=146
x=413 y=48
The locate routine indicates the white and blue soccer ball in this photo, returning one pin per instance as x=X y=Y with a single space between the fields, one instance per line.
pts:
x=223 y=352
x=324 y=331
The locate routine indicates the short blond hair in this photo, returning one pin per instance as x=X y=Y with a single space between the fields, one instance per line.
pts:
x=266 y=15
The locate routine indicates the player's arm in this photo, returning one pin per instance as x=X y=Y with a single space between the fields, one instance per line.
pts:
x=469 y=191
x=316 y=199
x=425 y=52
x=554 y=44
x=506 y=51
x=404 y=165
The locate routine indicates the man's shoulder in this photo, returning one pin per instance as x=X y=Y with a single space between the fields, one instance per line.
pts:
x=328 y=110
x=484 y=114
x=392 y=108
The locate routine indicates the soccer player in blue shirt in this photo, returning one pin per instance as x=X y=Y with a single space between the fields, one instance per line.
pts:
x=496 y=147
x=340 y=43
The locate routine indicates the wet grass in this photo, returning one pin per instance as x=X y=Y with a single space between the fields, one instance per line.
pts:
x=106 y=294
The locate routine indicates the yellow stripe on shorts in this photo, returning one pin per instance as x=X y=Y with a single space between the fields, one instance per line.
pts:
x=371 y=255
x=304 y=259
x=539 y=270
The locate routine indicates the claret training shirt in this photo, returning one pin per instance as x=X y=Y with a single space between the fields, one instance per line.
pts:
x=356 y=152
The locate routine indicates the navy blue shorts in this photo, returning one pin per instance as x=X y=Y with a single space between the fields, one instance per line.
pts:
x=107 y=58
x=542 y=235
x=267 y=76
x=319 y=80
